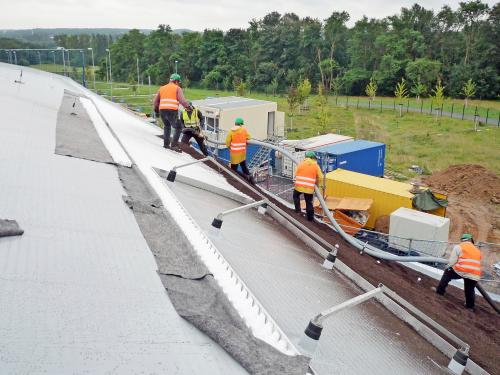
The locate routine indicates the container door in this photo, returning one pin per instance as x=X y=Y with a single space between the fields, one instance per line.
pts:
x=270 y=124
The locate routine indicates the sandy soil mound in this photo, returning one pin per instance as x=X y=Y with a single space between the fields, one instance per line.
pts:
x=474 y=196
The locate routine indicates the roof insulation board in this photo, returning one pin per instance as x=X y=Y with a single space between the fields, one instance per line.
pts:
x=79 y=290
x=292 y=285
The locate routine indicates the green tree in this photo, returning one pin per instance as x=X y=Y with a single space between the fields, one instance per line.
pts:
x=323 y=112
x=438 y=92
x=213 y=79
x=418 y=89
x=292 y=99
x=469 y=90
x=371 y=89
x=401 y=93
x=303 y=92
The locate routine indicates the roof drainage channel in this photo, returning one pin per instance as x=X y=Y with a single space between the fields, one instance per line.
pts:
x=192 y=288
x=293 y=287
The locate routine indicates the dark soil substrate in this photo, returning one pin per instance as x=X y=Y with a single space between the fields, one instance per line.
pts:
x=480 y=329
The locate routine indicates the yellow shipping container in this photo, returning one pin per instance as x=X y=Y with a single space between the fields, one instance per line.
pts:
x=387 y=195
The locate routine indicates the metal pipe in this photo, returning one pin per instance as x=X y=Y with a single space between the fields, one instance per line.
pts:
x=173 y=172
x=241 y=208
x=369 y=249
x=321 y=317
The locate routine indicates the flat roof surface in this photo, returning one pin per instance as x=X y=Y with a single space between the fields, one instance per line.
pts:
x=292 y=285
x=347 y=147
x=79 y=291
x=225 y=102
x=370 y=182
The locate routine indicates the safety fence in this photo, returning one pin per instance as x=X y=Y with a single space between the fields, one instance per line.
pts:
x=445 y=108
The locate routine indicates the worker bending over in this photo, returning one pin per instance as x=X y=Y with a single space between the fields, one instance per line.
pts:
x=236 y=140
x=166 y=105
x=191 y=118
x=465 y=263
x=307 y=176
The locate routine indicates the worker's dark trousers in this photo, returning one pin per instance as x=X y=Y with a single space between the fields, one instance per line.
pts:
x=188 y=133
x=243 y=166
x=469 y=286
x=309 y=204
x=170 y=119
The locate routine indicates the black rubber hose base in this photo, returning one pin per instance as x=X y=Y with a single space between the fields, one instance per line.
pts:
x=217 y=223
x=171 y=176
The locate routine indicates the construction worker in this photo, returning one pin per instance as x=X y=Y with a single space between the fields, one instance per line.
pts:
x=465 y=263
x=236 y=140
x=166 y=105
x=191 y=118
x=308 y=174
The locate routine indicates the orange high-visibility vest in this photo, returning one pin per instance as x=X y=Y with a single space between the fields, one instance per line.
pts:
x=306 y=175
x=469 y=260
x=168 y=97
x=239 y=142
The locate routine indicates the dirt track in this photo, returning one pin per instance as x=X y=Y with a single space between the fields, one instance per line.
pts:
x=481 y=330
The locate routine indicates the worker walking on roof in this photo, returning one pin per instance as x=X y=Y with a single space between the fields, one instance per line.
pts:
x=236 y=140
x=464 y=263
x=166 y=105
x=191 y=119
x=308 y=174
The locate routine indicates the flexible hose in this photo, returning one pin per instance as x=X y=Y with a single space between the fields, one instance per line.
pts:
x=369 y=249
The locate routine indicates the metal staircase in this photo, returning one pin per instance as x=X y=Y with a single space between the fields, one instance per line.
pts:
x=263 y=153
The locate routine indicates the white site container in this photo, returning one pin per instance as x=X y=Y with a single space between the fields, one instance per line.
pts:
x=424 y=232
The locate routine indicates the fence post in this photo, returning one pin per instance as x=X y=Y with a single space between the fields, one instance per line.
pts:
x=357 y=104
x=441 y=109
x=498 y=122
x=369 y=104
x=452 y=106
x=421 y=105
x=394 y=103
x=408 y=106
x=463 y=111
x=336 y=98
x=487 y=115
x=380 y=105
x=431 y=108
x=346 y=101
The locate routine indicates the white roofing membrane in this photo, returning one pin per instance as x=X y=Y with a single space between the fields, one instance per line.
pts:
x=79 y=292
x=83 y=294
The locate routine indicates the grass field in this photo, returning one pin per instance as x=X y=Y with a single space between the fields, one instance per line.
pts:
x=431 y=142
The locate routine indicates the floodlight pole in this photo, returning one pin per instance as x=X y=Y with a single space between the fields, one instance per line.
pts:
x=15 y=57
x=93 y=64
x=84 y=83
x=110 y=73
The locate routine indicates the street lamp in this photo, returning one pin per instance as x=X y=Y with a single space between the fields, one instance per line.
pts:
x=39 y=58
x=15 y=57
x=176 y=66
x=84 y=83
x=110 y=73
x=63 y=59
x=93 y=65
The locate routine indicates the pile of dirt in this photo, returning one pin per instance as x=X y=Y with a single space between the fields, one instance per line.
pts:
x=480 y=329
x=474 y=201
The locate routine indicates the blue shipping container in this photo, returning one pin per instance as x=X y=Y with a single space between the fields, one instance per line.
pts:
x=357 y=156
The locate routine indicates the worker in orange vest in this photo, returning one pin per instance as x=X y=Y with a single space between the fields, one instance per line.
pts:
x=236 y=141
x=166 y=105
x=308 y=174
x=464 y=263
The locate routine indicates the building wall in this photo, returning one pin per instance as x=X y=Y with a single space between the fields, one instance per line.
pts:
x=255 y=118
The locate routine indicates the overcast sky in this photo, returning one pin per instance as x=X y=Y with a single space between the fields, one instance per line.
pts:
x=185 y=14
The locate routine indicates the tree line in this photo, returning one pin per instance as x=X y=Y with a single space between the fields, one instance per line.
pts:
x=419 y=47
